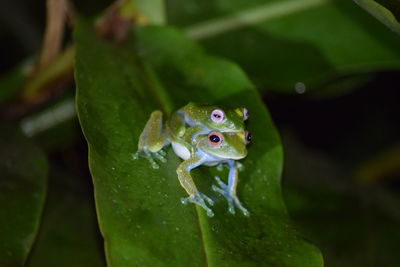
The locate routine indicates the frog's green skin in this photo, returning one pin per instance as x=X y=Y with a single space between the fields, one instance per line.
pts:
x=197 y=117
x=183 y=127
x=232 y=148
x=187 y=131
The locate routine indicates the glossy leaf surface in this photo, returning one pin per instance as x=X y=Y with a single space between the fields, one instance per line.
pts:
x=23 y=184
x=140 y=214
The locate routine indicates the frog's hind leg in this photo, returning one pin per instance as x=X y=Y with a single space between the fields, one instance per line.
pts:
x=187 y=183
x=229 y=191
x=152 y=139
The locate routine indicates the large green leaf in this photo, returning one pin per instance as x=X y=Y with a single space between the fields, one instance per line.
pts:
x=280 y=43
x=23 y=183
x=140 y=215
x=382 y=12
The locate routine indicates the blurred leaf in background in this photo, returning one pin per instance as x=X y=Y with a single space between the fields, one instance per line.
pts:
x=23 y=184
x=69 y=233
x=387 y=11
x=353 y=225
x=284 y=43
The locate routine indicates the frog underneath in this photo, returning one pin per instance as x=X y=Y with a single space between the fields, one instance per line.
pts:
x=200 y=135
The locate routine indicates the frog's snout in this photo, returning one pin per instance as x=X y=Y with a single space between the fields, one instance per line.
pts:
x=233 y=128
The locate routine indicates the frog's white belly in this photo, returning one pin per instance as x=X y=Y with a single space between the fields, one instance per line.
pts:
x=181 y=151
x=184 y=154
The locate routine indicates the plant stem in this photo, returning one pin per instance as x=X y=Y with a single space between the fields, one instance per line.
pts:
x=250 y=17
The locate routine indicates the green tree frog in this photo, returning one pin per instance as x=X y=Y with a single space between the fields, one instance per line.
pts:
x=200 y=135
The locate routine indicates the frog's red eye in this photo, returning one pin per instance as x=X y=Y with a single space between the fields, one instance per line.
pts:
x=247 y=137
x=215 y=138
x=245 y=114
x=217 y=116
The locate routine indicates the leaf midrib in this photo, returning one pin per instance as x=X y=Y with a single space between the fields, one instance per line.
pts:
x=158 y=90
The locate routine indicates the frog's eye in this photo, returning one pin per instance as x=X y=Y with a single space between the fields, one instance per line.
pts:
x=215 y=138
x=217 y=116
x=247 y=137
x=245 y=114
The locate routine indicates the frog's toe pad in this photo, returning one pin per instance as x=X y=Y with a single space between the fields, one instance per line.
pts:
x=160 y=155
x=221 y=184
x=220 y=167
x=231 y=197
x=151 y=156
x=231 y=208
x=240 y=166
x=198 y=199
x=209 y=200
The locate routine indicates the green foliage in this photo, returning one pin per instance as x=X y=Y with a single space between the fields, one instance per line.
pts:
x=353 y=225
x=341 y=143
x=68 y=234
x=309 y=41
x=23 y=184
x=139 y=210
x=382 y=11
x=10 y=83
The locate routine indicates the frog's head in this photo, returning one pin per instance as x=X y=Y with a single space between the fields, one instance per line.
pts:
x=217 y=117
x=228 y=120
x=224 y=145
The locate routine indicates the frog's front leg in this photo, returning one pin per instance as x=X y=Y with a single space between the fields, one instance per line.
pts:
x=152 y=139
x=187 y=183
x=190 y=136
x=177 y=130
x=229 y=191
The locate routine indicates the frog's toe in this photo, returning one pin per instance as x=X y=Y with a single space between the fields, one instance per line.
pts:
x=240 y=206
x=198 y=199
x=136 y=155
x=209 y=200
x=151 y=156
x=210 y=213
x=217 y=189
x=221 y=184
x=230 y=196
x=233 y=202
x=221 y=188
x=220 y=167
x=231 y=208
x=160 y=155
x=240 y=166
x=153 y=163
x=246 y=212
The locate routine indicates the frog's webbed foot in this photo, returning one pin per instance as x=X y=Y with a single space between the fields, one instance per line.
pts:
x=230 y=196
x=200 y=199
x=151 y=156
